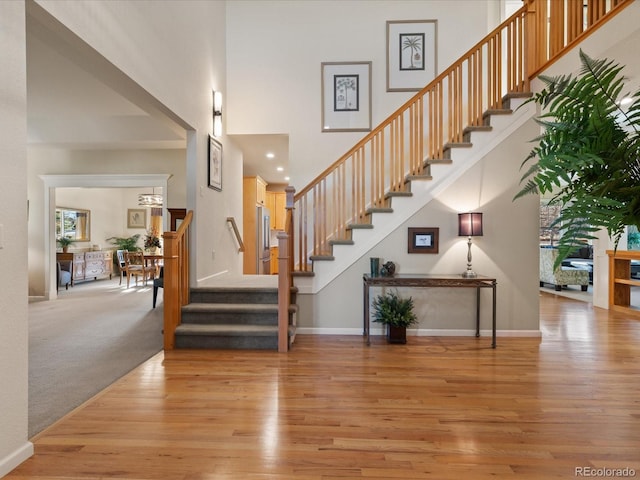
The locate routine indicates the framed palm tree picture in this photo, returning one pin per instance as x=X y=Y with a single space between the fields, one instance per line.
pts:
x=411 y=54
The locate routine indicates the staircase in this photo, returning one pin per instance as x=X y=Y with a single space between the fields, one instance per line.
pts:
x=232 y=318
x=400 y=166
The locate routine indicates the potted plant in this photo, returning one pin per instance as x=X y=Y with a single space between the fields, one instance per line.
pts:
x=588 y=155
x=64 y=242
x=129 y=244
x=151 y=241
x=396 y=313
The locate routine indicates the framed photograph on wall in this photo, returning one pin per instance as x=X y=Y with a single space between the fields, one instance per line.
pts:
x=136 y=218
x=411 y=54
x=215 y=164
x=423 y=240
x=346 y=96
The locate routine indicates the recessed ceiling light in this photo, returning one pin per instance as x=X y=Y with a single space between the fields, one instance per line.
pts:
x=626 y=101
x=270 y=155
x=280 y=169
x=286 y=178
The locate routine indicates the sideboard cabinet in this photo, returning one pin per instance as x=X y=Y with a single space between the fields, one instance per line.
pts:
x=89 y=265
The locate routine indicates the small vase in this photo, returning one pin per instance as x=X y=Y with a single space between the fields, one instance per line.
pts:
x=65 y=249
x=375 y=266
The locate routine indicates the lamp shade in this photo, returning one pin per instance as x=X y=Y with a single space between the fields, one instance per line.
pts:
x=470 y=224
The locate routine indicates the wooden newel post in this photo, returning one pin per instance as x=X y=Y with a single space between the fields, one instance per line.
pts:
x=284 y=292
x=171 y=295
x=289 y=228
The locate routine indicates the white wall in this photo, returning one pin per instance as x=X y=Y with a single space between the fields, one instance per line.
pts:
x=178 y=58
x=274 y=52
x=14 y=444
x=507 y=251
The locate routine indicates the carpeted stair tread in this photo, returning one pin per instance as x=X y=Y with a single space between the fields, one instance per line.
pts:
x=226 y=330
x=235 y=289
x=231 y=307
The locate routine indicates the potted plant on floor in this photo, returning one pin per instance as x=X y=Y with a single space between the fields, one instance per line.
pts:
x=588 y=156
x=396 y=313
x=64 y=242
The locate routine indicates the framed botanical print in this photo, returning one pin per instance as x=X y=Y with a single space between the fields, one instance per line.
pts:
x=136 y=218
x=215 y=164
x=411 y=54
x=346 y=96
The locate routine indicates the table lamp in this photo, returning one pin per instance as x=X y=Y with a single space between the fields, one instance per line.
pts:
x=469 y=225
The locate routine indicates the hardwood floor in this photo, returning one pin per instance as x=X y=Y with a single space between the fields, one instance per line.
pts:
x=440 y=408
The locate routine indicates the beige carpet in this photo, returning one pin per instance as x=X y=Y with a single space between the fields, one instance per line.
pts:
x=92 y=335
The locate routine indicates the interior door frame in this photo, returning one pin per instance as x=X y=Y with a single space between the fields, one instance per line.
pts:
x=51 y=182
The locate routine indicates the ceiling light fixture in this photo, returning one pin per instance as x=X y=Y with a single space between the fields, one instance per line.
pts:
x=270 y=155
x=150 y=199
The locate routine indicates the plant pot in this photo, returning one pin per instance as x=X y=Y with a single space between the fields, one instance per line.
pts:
x=65 y=249
x=396 y=334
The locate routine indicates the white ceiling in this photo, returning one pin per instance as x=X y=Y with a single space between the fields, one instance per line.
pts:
x=69 y=107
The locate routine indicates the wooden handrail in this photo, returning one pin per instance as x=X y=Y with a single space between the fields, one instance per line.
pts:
x=232 y=221
x=176 y=277
x=434 y=119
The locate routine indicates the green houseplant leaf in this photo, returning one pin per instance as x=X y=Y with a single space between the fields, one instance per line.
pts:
x=392 y=309
x=588 y=157
x=126 y=243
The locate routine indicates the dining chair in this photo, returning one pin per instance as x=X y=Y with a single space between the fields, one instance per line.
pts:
x=135 y=266
x=158 y=283
x=122 y=264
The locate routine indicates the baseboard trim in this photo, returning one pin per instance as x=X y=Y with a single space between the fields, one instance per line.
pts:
x=422 y=332
x=11 y=461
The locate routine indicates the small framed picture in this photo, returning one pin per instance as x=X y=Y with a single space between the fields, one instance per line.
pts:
x=423 y=240
x=411 y=54
x=136 y=218
x=346 y=96
x=215 y=164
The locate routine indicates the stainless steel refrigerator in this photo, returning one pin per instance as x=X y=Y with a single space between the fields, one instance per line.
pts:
x=263 y=237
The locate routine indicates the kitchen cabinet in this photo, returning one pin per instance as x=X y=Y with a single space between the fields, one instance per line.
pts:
x=276 y=203
x=254 y=190
x=254 y=194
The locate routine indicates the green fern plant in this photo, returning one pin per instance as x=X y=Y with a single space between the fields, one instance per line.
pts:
x=126 y=243
x=588 y=157
x=392 y=309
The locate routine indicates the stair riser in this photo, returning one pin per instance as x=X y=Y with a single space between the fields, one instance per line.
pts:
x=227 y=342
x=217 y=318
x=244 y=297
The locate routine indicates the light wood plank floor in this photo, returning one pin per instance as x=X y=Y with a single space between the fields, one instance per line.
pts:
x=439 y=408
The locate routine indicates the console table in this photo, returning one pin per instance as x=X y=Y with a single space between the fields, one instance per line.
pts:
x=431 y=281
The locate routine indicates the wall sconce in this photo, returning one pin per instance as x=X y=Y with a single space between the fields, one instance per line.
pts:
x=469 y=225
x=217 y=113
